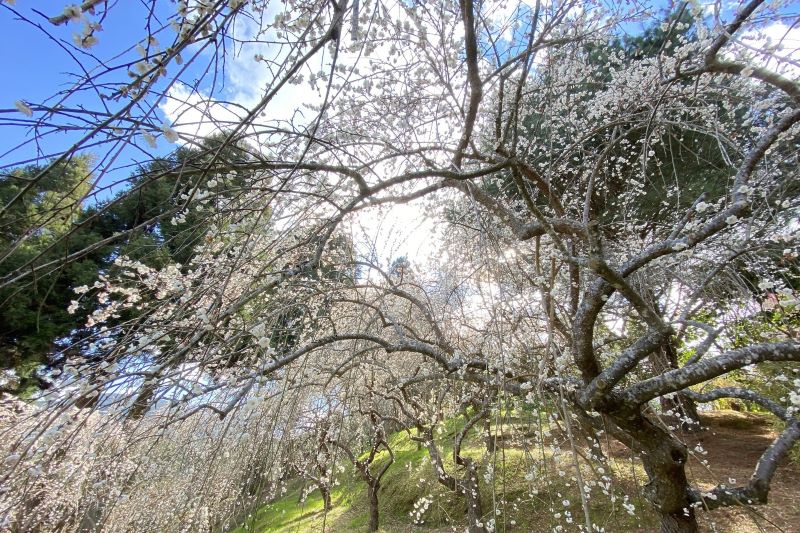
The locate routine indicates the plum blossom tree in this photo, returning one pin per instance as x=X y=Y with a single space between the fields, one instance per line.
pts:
x=426 y=423
x=368 y=431
x=559 y=292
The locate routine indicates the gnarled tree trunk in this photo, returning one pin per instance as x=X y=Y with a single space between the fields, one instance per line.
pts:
x=664 y=459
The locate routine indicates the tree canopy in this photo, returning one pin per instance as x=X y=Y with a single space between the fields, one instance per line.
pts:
x=614 y=195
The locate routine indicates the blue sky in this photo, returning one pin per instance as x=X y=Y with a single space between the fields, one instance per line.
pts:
x=39 y=58
x=40 y=63
x=37 y=62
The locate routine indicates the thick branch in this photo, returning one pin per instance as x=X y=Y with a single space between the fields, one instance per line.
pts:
x=730 y=29
x=742 y=394
x=676 y=380
x=473 y=76
x=627 y=360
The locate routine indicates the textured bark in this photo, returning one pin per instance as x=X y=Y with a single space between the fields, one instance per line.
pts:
x=664 y=459
x=374 y=512
x=678 y=524
x=469 y=488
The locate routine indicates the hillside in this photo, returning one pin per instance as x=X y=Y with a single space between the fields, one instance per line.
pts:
x=533 y=499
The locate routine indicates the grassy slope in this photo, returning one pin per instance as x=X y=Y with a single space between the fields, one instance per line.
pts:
x=530 y=504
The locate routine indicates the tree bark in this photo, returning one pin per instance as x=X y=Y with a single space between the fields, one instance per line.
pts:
x=470 y=490
x=374 y=513
x=664 y=459
x=489 y=439
x=143 y=401
x=663 y=360
x=468 y=487
x=326 y=498
x=678 y=524
x=679 y=406
x=669 y=494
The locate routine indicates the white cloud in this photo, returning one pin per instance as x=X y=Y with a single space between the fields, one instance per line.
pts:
x=249 y=80
x=400 y=230
x=776 y=46
x=193 y=114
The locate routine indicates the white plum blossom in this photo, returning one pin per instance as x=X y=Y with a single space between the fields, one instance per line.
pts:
x=150 y=140
x=23 y=108
x=73 y=12
x=766 y=284
x=257 y=326
x=170 y=134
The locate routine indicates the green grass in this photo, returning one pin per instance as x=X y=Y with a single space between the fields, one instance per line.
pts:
x=530 y=503
x=290 y=514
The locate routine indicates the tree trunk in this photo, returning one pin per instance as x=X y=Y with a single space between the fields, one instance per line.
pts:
x=667 y=491
x=468 y=487
x=678 y=524
x=487 y=428
x=143 y=400
x=679 y=406
x=663 y=360
x=374 y=517
x=685 y=408
x=471 y=492
x=326 y=498
x=589 y=433
x=664 y=459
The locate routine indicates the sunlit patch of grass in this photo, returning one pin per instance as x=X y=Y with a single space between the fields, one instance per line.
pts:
x=529 y=485
x=290 y=514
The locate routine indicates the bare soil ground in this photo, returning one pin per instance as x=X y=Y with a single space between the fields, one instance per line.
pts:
x=734 y=442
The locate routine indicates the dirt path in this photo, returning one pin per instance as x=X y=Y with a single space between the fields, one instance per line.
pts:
x=734 y=442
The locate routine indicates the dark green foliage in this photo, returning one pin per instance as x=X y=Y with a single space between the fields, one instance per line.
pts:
x=51 y=221
x=161 y=189
x=666 y=168
x=33 y=310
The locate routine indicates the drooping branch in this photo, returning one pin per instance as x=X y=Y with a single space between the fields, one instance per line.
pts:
x=677 y=380
x=741 y=394
x=788 y=86
x=758 y=487
x=522 y=230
